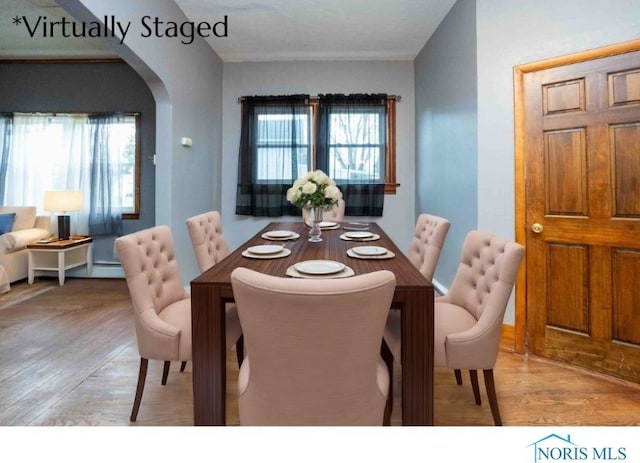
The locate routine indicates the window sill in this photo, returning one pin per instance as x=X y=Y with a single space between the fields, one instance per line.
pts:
x=390 y=188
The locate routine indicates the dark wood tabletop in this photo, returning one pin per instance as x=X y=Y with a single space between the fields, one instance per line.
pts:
x=413 y=296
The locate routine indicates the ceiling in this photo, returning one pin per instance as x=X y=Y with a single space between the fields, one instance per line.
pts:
x=259 y=30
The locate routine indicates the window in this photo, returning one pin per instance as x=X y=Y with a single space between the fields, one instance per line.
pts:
x=350 y=137
x=357 y=144
x=282 y=145
x=94 y=153
x=275 y=146
x=120 y=135
x=125 y=133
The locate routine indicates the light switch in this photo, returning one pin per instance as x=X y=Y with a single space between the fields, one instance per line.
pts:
x=186 y=141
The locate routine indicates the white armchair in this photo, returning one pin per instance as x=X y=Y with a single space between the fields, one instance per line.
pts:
x=27 y=228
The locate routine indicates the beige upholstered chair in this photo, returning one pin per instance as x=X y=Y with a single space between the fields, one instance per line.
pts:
x=162 y=307
x=429 y=236
x=210 y=247
x=335 y=214
x=314 y=349
x=209 y=244
x=468 y=319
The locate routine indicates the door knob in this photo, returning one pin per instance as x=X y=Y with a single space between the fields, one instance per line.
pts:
x=537 y=228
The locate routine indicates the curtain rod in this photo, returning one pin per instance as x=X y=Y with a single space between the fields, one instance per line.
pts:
x=71 y=113
x=389 y=97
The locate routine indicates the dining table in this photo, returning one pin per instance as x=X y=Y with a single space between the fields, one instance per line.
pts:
x=413 y=296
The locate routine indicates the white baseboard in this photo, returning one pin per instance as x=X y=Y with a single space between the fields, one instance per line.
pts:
x=441 y=290
x=98 y=271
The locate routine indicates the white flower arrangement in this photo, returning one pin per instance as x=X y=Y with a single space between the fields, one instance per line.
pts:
x=314 y=189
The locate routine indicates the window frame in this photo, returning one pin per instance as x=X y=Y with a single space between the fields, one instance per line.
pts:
x=309 y=146
x=390 y=182
x=135 y=214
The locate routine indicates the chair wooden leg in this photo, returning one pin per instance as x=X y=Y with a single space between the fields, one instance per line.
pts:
x=183 y=365
x=240 y=349
x=458 y=374
x=473 y=374
x=386 y=420
x=387 y=357
x=165 y=372
x=491 y=394
x=142 y=375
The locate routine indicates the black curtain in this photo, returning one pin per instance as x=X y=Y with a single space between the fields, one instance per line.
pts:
x=351 y=149
x=274 y=152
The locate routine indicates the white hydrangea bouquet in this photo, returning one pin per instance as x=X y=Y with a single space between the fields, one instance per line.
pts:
x=314 y=189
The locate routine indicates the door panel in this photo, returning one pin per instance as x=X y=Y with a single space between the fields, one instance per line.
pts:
x=625 y=157
x=566 y=172
x=582 y=174
x=567 y=296
x=626 y=270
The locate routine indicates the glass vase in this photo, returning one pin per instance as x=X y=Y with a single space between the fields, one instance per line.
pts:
x=316 y=215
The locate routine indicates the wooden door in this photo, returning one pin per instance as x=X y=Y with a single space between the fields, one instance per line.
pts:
x=582 y=219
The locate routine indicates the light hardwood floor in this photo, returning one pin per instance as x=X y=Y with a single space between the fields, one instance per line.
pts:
x=68 y=357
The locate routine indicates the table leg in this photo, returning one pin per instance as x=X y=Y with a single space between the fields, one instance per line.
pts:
x=417 y=357
x=61 y=267
x=30 y=271
x=209 y=355
x=90 y=259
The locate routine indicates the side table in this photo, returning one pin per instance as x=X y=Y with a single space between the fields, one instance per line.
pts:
x=59 y=256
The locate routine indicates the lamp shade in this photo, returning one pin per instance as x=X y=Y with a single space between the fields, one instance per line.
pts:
x=63 y=201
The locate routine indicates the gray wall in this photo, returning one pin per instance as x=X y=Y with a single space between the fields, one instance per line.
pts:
x=446 y=131
x=186 y=82
x=88 y=87
x=514 y=32
x=508 y=33
x=278 y=78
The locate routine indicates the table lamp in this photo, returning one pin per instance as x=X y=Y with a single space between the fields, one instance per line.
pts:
x=63 y=201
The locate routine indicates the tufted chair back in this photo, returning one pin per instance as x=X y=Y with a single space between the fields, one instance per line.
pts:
x=485 y=276
x=428 y=238
x=424 y=252
x=314 y=349
x=161 y=306
x=210 y=247
x=154 y=282
x=468 y=319
x=209 y=244
x=335 y=214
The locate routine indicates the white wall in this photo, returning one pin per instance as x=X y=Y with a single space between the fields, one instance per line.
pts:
x=282 y=78
x=513 y=32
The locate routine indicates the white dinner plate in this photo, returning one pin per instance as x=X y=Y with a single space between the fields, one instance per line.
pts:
x=355 y=225
x=265 y=249
x=369 y=250
x=358 y=235
x=279 y=233
x=284 y=253
x=319 y=267
x=327 y=224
